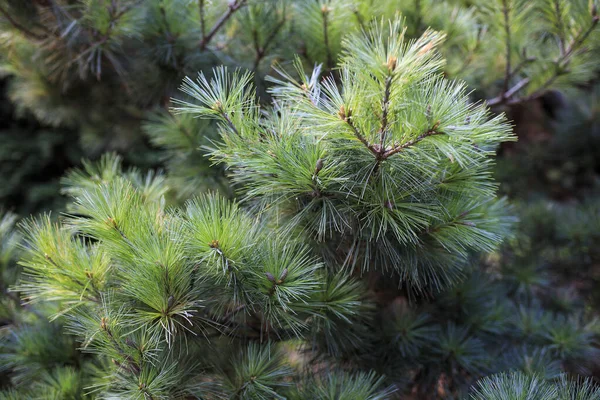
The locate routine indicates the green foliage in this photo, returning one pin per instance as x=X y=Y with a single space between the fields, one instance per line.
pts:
x=182 y=276
x=408 y=185
x=343 y=386
x=184 y=139
x=350 y=266
x=516 y=385
x=98 y=69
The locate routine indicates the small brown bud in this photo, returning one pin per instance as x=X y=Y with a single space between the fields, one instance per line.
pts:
x=325 y=10
x=342 y=112
x=103 y=323
x=426 y=48
x=436 y=125
x=218 y=106
x=89 y=274
x=270 y=277
x=214 y=244
x=111 y=221
x=388 y=204
x=391 y=63
x=594 y=10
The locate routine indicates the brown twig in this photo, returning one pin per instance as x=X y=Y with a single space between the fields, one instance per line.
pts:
x=20 y=27
x=229 y=122
x=410 y=143
x=508 y=71
x=508 y=94
x=564 y=58
x=385 y=105
x=233 y=7
x=261 y=51
x=325 y=12
x=559 y=27
x=202 y=18
x=359 y=135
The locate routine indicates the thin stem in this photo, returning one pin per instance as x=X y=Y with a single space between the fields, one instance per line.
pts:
x=469 y=58
x=163 y=14
x=233 y=312
x=520 y=66
x=360 y=137
x=261 y=51
x=359 y=19
x=233 y=7
x=559 y=26
x=574 y=46
x=133 y=366
x=510 y=93
x=410 y=143
x=507 y=72
x=581 y=37
x=257 y=48
x=229 y=122
x=385 y=106
x=202 y=18
x=325 y=11
x=20 y=27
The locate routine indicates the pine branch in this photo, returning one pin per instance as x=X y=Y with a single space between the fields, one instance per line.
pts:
x=232 y=8
x=325 y=13
x=579 y=40
x=165 y=20
x=359 y=19
x=202 y=17
x=504 y=97
x=411 y=143
x=261 y=51
x=385 y=104
x=347 y=117
x=559 y=26
x=229 y=122
x=20 y=27
x=507 y=32
x=508 y=95
x=521 y=65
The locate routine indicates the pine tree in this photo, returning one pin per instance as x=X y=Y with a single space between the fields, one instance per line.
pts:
x=342 y=256
x=97 y=69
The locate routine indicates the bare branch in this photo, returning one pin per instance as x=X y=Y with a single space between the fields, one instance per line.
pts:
x=233 y=7
x=511 y=92
x=325 y=12
x=410 y=143
x=508 y=71
x=20 y=27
